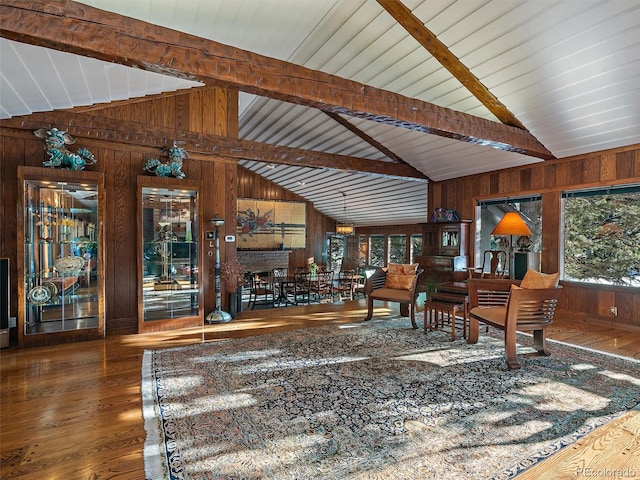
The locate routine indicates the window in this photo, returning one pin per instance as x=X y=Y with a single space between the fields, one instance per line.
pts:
x=416 y=247
x=397 y=248
x=602 y=236
x=376 y=251
x=491 y=212
x=336 y=252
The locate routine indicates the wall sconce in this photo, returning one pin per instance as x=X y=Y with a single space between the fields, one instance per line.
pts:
x=218 y=315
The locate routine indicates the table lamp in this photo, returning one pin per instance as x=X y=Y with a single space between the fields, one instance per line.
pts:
x=510 y=225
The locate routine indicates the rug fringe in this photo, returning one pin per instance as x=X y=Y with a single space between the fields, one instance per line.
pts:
x=153 y=457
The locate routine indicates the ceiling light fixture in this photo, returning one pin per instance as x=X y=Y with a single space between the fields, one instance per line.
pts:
x=346 y=226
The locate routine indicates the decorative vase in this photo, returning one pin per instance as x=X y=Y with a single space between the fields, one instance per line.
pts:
x=239 y=299
x=233 y=304
x=188 y=237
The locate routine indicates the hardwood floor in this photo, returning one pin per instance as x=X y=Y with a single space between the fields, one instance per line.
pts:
x=74 y=411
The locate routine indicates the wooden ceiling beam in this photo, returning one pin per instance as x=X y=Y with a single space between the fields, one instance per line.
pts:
x=417 y=29
x=83 y=30
x=370 y=140
x=202 y=146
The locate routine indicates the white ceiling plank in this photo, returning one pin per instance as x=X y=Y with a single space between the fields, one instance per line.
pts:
x=569 y=70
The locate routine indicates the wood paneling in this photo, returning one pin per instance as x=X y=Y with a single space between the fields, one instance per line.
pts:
x=121 y=165
x=208 y=111
x=550 y=179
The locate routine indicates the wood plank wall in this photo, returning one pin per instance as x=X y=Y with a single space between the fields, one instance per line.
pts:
x=612 y=167
x=221 y=182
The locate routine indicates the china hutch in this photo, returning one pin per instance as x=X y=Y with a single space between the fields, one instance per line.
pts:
x=169 y=255
x=445 y=252
x=60 y=259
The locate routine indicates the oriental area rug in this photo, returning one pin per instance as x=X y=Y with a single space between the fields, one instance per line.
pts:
x=371 y=400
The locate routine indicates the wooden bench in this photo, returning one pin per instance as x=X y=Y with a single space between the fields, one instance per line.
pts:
x=495 y=303
x=375 y=290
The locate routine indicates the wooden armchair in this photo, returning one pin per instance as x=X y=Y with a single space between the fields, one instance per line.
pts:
x=376 y=288
x=494 y=302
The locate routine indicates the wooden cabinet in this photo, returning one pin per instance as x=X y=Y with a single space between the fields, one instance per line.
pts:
x=445 y=247
x=446 y=238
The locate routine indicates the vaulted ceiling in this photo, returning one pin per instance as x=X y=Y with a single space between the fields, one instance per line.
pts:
x=433 y=89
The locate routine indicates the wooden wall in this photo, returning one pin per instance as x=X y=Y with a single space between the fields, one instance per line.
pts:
x=220 y=180
x=550 y=179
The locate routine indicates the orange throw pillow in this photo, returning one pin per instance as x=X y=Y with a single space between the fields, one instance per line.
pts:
x=400 y=275
x=403 y=268
x=399 y=281
x=534 y=279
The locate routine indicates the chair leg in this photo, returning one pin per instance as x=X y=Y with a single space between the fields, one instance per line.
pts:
x=413 y=316
x=452 y=318
x=510 y=351
x=427 y=317
x=473 y=330
x=369 y=308
x=540 y=342
x=252 y=302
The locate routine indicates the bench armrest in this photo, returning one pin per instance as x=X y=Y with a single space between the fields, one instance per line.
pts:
x=489 y=292
x=376 y=280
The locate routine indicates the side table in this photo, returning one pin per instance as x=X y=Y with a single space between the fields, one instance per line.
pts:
x=449 y=299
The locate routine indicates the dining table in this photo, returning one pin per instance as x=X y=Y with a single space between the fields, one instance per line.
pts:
x=286 y=283
x=283 y=285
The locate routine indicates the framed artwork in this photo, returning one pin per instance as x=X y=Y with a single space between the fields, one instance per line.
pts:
x=271 y=224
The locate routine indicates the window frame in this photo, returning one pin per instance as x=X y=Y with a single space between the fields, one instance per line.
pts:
x=562 y=253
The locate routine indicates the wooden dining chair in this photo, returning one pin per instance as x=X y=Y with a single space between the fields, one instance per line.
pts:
x=302 y=287
x=260 y=292
x=322 y=286
x=495 y=264
x=345 y=285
